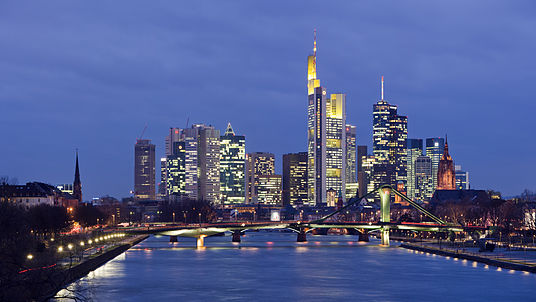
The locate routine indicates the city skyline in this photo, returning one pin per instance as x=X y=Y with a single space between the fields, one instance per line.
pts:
x=102 y=118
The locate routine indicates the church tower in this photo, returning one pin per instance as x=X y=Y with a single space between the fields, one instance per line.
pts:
x=77 y=185
x=446 y=179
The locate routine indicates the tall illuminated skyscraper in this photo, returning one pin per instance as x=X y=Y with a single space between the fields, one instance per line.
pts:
x=175 y=171
x=414 y=150
x=144 y=169
x=389 y=134
x=208 y=155
x=351 y=154
x=424 y=182
x=326 y=138
x=434 y=149
x=232 y=166
x=257 y=164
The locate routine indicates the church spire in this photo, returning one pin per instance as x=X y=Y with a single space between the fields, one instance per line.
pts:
x=77 y=184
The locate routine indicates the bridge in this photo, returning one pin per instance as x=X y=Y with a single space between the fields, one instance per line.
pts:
x=384 y=225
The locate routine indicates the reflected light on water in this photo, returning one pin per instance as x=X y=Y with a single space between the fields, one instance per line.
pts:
x=301 y=249
x=475 y=264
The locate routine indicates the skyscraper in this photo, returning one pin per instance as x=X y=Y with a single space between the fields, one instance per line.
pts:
x=208 y=154
x=362 y=178
x=424 y=182
x=414 y=150
x=268 y=190
x=446 y=179
x=389 y=134
x=326 y=120
x=434 y=150
x=173 y=136
x=295 y=178
x=191 y=163
x=144 y=169
x=232 y=162
x=77 y=184
x=462 y=178
x=257 y=164
x=351 y=156
x=175 y=171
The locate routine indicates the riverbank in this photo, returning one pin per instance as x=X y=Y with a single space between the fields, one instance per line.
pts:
x=66 y=277
x=503 y=263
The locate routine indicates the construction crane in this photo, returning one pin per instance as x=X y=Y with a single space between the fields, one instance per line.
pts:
x=143 y=132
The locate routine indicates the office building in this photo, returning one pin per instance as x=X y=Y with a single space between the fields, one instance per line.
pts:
x=351 y=154
x=268 y=190
x=232 y=167
x=208 y=156
x=462 y=178
x=175 y=171
x=295 y=179
x=144 y=169
x=362 y=179
x=389 y=143
x=414 y=150
x=326 y=155
x=434 y=150
x=257 y=163
x=424 y=182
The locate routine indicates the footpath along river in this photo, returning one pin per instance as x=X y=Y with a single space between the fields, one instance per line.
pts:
x=274 y=267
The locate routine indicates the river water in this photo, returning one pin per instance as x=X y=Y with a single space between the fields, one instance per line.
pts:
x=273 y=267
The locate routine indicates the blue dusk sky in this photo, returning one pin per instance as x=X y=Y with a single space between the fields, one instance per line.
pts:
x=91 y=74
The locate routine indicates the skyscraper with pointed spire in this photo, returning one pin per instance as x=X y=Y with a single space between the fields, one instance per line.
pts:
x=326 y=138
x=389 y=134
x=232 y=166
x=446 y=177
x=77 y=184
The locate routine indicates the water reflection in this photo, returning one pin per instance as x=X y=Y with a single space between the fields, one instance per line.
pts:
x=275 y=267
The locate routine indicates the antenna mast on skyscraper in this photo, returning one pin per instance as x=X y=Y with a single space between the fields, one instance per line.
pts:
x=314 y=48
x=382 y=88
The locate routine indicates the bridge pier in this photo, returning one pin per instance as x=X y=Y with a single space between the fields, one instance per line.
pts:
x=363 y=236
x=302 y=236
x=385 y=207
x=201 y=241
x=173 y=239
x=236 y=236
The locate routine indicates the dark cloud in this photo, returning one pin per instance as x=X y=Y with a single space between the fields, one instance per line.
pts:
x=90 y=75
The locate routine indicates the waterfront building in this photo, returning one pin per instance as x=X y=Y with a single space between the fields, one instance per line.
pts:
x=424 y=182
x=35 y=193
x=326 y=120
x=257 y=163
x=389 y=132
x=268 y=190
x=232 y=162
x=208 y=156
x=144 y=169
x=414 y=150
x=462 y=178
x=352 y=188
x=446 y=179
x=295 y=179
x=434 y=150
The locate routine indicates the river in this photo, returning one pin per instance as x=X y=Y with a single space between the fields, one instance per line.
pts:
x=274 y=267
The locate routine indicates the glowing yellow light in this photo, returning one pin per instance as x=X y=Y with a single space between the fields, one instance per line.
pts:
x=60 y=249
